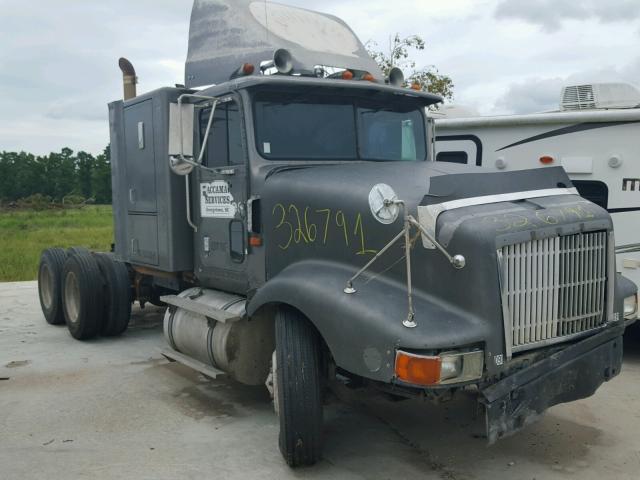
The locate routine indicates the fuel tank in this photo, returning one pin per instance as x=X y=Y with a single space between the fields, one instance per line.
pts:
x=240 y=348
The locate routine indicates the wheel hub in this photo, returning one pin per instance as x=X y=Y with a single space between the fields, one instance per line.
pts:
x=72 y=296
x=46 y=286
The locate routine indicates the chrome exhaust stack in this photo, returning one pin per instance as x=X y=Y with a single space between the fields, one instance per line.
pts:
x=129 y=79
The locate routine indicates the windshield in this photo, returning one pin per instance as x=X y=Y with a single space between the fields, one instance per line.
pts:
x=322 y=127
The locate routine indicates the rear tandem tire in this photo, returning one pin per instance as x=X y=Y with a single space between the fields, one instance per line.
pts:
x=50 y=284
x=82 y=296
x=76 y=250
x=117 y=295
x=298 y=373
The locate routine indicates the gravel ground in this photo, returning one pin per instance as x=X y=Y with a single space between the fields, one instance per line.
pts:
x=115 y=408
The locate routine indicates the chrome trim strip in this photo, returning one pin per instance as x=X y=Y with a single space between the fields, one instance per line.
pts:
x=508 y=329
x=428 y=215
x=611 y=280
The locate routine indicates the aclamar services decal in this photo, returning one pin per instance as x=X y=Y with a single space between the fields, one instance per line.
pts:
x=216 y=200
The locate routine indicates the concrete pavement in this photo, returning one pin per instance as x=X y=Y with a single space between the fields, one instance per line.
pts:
x=115 y=408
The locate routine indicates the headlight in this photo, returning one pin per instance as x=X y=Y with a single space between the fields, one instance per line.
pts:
x=450 y=367
x=631 y=306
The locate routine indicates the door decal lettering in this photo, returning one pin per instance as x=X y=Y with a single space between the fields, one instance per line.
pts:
x=216 y=200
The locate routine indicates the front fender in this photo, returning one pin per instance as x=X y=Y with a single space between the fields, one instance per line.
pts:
x=363 y=330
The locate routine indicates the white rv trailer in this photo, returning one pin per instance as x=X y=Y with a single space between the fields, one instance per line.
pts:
x=595 y=136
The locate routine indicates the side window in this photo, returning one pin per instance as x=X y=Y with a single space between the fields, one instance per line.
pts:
x=224 y=146
x=594 y=191
x=452 y=157
x=234 y=136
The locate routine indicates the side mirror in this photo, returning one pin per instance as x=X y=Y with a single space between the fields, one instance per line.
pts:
x=181 y=129
x=181 y=137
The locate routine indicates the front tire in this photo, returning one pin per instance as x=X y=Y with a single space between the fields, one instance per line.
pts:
x=299 y=386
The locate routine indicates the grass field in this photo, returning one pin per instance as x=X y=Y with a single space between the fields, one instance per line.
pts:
x=25 y=233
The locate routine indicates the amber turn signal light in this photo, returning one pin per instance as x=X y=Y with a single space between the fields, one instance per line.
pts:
x=248 y=68
x=255 y=241
x=347 y=75
x=418 y=369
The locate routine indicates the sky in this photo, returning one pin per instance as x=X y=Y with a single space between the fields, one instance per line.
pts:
x=58 y=58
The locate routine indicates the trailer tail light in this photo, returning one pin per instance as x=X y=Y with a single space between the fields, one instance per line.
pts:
x=347 y=75
x=451 y=367
x=546 y=160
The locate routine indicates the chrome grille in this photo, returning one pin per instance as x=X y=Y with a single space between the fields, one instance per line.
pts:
x=553 y=288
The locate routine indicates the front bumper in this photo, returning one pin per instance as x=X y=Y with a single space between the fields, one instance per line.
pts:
x=570 y=374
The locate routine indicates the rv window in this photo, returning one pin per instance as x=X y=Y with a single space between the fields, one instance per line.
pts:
x=452 y=157
x=594 y=191
x=224 y=146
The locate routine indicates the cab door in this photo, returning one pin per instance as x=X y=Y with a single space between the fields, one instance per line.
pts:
x=221 y=194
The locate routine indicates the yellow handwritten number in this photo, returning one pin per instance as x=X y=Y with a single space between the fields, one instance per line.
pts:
x=359 y=231
x=283 y=223
x=342 y=222
x=326 y=223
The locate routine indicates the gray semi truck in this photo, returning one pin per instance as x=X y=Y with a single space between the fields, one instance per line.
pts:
x=283 y=204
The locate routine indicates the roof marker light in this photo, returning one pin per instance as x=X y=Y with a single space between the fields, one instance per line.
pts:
x=243 y=70
x=546 y=160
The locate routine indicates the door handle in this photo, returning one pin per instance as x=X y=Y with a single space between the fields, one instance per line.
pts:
x=225 y=171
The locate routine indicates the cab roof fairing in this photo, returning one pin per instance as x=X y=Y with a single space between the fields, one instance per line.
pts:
x=225 y=34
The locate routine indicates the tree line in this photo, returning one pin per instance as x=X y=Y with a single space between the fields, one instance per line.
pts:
x=56 y=177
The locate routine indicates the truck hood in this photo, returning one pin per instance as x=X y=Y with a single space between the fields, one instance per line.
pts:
x=319 y=216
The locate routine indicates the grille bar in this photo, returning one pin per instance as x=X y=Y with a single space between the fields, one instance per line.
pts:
x=553 y=287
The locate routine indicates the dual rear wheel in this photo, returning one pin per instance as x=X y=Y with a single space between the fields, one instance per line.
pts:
x=90 y=292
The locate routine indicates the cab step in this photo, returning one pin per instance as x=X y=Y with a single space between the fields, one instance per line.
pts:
x=207 y=370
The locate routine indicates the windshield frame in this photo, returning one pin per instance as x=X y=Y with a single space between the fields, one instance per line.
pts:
x=358 y=101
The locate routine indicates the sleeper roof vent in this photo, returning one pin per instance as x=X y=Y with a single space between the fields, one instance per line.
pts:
x=599 y=96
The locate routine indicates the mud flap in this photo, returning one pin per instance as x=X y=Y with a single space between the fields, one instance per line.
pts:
x=570 y=374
